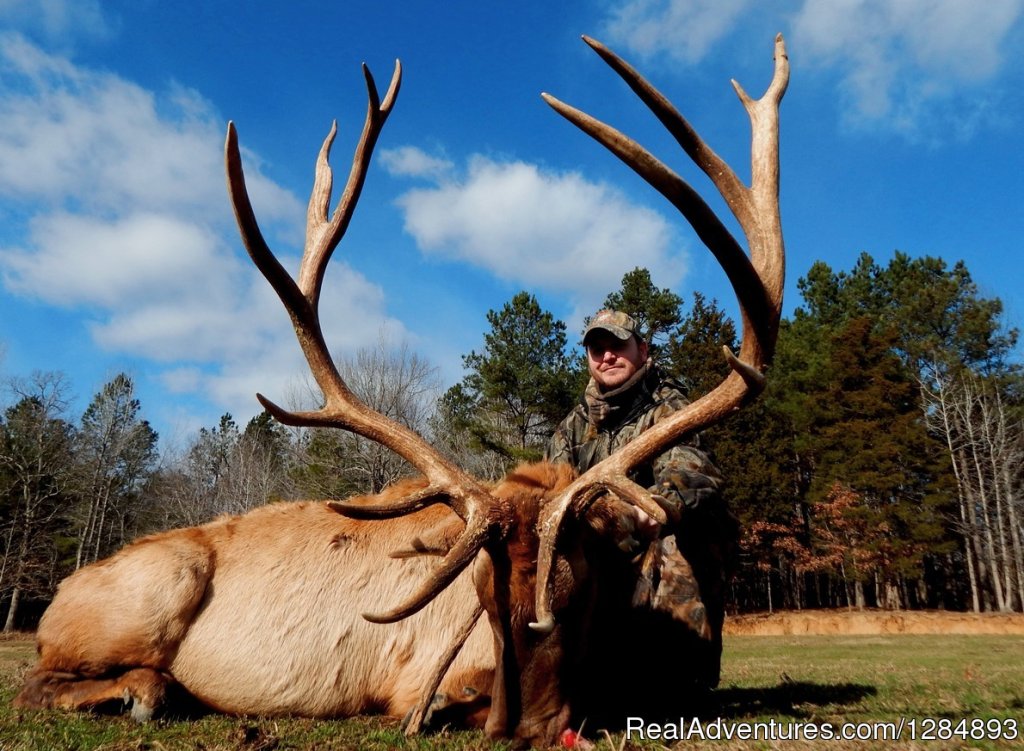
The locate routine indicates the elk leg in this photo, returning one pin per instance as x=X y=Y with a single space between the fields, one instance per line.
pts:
x=144 y=688
x=468 y=708
x=129 y=611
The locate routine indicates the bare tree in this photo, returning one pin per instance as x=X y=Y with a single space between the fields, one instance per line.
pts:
x=224 y=470
x=35 y=462
x=455 y=430
x=115 y=452
x=985 y=443
x=392 y=380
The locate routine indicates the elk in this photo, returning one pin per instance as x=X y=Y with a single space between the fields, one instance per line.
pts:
x=260 y=614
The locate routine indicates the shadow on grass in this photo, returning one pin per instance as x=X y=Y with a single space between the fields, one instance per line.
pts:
x=797 y=699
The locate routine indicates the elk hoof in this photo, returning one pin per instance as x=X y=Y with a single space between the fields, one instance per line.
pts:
x=141 y=712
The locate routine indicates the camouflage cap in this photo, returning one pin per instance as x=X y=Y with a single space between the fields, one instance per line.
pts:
x=613 y=321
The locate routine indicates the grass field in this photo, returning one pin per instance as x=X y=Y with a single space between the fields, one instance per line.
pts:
x=785 y=679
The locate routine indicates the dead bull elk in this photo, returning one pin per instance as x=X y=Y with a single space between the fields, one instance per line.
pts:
x=259 y=614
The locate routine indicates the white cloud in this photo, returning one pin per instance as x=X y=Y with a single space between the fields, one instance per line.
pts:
x=540 y=229
x=684 y=30
x=59 y=21
x=258 y=349
x=920 y=67
x=127 y=220
x=97 y=143
x=899 y=61
x=115 y=263
x=409 y=161
x=959 y=38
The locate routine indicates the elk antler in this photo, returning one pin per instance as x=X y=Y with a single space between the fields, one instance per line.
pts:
x=485 y=516
x=757 y=281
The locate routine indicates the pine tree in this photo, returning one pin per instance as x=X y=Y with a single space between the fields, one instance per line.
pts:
x=869 y=435
x=522 y=384
x=657 y=311
x=947 y=334
x=694 y=351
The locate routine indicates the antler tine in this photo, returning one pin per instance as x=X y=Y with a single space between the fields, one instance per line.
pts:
x=485 y=516
x=694 y=146
x=249 y=228
x=323 y=236
x=411 y=503
x=706 y=224
x=757 y=280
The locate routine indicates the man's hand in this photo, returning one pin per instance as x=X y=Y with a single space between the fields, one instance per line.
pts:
x=646 y=527
x=667 y=497
x=627 y=526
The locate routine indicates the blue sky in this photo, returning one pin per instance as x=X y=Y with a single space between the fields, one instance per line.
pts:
x=118 y=252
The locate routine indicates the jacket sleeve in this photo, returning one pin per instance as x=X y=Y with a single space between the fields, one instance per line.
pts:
x=559 y=449
x=687 y=480
x=684 y=476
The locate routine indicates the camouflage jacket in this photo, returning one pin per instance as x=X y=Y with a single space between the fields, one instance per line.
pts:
x=683 y=475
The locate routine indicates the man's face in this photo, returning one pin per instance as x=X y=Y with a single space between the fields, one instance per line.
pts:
x=613 y=361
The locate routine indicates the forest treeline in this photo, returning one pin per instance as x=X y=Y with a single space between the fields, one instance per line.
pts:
x=882 y=467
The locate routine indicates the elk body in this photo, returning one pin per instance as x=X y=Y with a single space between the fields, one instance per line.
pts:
x=277 y=611
x=262 y=614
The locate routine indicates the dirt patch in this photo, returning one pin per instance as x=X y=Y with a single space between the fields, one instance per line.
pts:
x=873 y=622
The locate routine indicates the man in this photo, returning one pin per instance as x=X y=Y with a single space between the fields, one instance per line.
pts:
x=685 y=564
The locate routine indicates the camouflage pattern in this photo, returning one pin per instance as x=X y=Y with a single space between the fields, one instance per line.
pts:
x=616 y=322
x=683 y=476
x=684 y=572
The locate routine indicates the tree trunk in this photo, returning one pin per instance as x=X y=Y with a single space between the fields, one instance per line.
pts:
x=892 y=595
x=983 y=499
x=21 y=564
x=858 y=594
x=12 y=611
x=972 y=574
x=1001 y=455
x=976 y=541
x=1015 y=535
x=85 y=536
